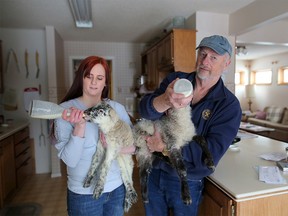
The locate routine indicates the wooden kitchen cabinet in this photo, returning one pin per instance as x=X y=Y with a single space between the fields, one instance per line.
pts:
x=152 y=78
x=16 y=161
x=23 y=156
x=8 y=175
x=165 y=56
x=215 y=202
x=174 y=52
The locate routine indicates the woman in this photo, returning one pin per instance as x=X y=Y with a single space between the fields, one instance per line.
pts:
x=76 y=141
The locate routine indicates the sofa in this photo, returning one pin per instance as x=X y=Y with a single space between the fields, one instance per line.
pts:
x=272 y=117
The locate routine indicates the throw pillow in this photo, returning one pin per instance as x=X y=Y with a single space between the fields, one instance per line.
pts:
x=275 y=114
x=260 y=115
x=285 y=117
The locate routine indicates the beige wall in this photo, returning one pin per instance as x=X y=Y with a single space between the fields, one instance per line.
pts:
x=266 y=95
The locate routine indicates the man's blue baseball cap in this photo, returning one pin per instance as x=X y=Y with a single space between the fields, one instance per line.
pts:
x=217 y=43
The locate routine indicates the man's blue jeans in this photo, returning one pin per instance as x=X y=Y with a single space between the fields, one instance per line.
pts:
x=108 y=204
x=164 y=193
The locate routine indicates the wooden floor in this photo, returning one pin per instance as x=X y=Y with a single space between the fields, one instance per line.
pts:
x=51 y=194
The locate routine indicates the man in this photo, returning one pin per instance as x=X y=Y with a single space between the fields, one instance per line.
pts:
x=216 y=114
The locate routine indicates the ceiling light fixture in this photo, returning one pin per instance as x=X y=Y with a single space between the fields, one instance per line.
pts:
x=241 y=50
x=82 y=13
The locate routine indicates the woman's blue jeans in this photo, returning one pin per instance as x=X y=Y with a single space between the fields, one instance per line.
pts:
x=108 y=204
x=164 y=195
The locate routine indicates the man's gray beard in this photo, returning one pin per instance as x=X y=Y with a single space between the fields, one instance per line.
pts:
x=201 y=77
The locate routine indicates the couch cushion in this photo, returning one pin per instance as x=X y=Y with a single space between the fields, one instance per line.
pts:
x=259 y=122
x=285 y=117
x=275 y=114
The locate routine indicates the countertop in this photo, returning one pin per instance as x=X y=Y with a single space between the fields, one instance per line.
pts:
x=236 y=175
x=10 y=129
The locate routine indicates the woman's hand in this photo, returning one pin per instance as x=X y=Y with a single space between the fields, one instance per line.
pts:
x=124 y=150
x=128 y=149
x=75 y=116
x=103 y=139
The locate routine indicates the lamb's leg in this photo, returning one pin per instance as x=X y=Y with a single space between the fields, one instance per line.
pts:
x=208 y=156
x=177 y=161
x=97 y=159
x=110 y=155
x=144 y=171
x=126 y=166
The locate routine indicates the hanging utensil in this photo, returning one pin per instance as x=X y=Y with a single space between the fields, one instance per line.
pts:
x=16 y=60
x=8 y=60
x=26 y=63
x=37 y=64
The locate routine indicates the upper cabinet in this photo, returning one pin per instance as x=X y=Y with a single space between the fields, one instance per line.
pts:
x=174 y=52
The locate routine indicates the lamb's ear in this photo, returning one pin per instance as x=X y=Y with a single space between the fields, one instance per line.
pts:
x=113 y=115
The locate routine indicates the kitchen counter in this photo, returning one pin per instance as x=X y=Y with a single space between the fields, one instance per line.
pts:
x=234 y=188
x=9 y=129
x=236 y=172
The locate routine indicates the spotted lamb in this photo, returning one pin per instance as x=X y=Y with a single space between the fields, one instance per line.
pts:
x=176 y=129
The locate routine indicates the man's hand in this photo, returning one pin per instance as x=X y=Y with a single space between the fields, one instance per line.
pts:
x=154 y=142
x=170 y=99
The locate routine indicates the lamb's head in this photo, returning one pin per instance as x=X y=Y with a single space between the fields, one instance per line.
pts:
x=98 y=113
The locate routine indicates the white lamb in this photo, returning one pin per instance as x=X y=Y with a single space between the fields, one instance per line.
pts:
x=117 y=134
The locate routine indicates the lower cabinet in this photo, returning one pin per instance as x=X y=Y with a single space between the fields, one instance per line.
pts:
x=8 y=175
x=16 y=163
x=23 y=156
x=215 y=202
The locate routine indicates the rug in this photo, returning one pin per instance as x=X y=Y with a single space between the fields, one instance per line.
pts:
x=21 y=209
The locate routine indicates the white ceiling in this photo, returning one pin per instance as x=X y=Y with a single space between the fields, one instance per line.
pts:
x=115 y=20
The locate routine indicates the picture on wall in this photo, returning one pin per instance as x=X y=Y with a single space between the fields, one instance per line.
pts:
x=76 y=63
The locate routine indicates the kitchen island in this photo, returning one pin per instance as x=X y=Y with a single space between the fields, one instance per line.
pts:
x=234 y=188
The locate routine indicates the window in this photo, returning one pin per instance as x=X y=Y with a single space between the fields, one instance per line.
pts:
x=261 y=77
x=240 y=78
x=283 y=76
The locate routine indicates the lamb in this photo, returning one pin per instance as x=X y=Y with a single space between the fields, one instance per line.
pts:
x=117 y=134
x=176 y=129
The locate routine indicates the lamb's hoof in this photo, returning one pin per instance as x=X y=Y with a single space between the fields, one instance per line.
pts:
x=187 y=200
x=212 y=168
x=97 y=193
x=145 y=199
x=87 y=183
x=130 y=198
x=210 y=164
x=185 y=194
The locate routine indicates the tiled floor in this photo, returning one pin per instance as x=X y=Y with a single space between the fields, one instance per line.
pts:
x=51 y=194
